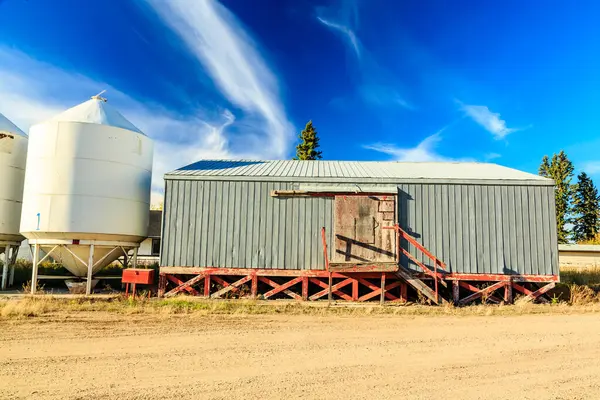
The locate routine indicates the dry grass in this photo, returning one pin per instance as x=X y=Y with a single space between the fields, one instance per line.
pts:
x=578 y=292
x=580 y=276
x=28 y=307
x=580 y=285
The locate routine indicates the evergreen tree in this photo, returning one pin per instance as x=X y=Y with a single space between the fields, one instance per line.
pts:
x=585 y=209
x=561 y=170
x=309 y=143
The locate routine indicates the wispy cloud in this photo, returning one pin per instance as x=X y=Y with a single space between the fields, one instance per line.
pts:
x=346 y=31
x=489 y=120
x=32 y=91
x=424 y=151
x=591 y=167
x=491 y=156
x=383 y=96
x=375 y=86
x=213 y=35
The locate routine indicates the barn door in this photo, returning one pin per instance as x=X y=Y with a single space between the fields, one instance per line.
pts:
x=359 y=237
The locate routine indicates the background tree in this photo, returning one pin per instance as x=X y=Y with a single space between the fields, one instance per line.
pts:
x=561 y=170
x=585 y=209
x=309 y=143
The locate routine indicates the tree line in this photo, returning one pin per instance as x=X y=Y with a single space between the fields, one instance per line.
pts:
x=577 y=204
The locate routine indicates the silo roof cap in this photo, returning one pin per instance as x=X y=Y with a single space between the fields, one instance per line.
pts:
x=96 y=111
x=6 y=126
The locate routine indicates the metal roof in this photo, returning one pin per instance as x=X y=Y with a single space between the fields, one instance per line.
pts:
x=354 y=171
x=594 y=248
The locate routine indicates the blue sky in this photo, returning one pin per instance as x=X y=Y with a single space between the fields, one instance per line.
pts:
x=430 y=80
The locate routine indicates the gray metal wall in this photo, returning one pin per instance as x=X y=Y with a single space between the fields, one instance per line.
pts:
x=472 y=228
x=483 y=228
x=239 y=225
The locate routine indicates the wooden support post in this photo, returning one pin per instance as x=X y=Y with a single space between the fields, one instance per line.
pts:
x=305 y=288
x=207 y=284
x=88 y=286
x=355 y=290
x=382 y=297
x=403 y=292
x=455 y=292
x=508 y=295
x=254 y=287
x=330 y=293
x=34 y=270
x=5 y=267
x=162 y=284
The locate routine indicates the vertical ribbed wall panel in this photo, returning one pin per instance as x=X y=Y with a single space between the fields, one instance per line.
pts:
x=234 y=224
x=482 y=229
x=472 y=228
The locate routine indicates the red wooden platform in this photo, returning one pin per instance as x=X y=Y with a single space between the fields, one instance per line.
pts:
x=348 y=285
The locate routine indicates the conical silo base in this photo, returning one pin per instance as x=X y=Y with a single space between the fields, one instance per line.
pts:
x=75 y=258
x=83 y=258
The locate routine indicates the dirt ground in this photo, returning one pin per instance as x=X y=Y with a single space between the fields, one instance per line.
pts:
x=109 y=356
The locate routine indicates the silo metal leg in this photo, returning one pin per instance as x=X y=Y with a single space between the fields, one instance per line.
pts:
x=88 y=286
x=34 y=272
x=5 y=267
x=11 y=274
x=134 y=259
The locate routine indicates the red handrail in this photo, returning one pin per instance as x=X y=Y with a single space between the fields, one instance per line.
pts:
x=436 y=262
x=325 y=248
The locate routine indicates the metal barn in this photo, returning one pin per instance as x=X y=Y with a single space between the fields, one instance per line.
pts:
x=357 y=231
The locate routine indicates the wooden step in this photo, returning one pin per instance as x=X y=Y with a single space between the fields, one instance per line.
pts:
x=419 y=285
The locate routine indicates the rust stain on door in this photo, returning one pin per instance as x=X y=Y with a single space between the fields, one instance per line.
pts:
x=359 y=237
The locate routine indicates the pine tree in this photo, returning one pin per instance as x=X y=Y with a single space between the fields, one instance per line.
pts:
x=561 y=170
x=307 y=149
x=586 y=205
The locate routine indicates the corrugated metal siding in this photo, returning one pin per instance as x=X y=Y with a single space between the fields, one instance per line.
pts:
x=482 y=229
x=239 y=225
x=472 y=228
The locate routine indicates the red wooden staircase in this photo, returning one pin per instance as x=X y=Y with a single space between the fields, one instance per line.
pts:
x=402 y=272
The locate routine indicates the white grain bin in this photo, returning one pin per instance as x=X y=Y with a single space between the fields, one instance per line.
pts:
x=13 y=153
x=87 y=187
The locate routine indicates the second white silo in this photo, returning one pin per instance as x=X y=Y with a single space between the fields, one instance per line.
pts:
x=87 y=188
x=13 y=153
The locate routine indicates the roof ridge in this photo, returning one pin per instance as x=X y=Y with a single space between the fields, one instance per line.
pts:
x=371 y=171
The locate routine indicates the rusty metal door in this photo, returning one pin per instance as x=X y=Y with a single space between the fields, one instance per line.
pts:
x=359 y=237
